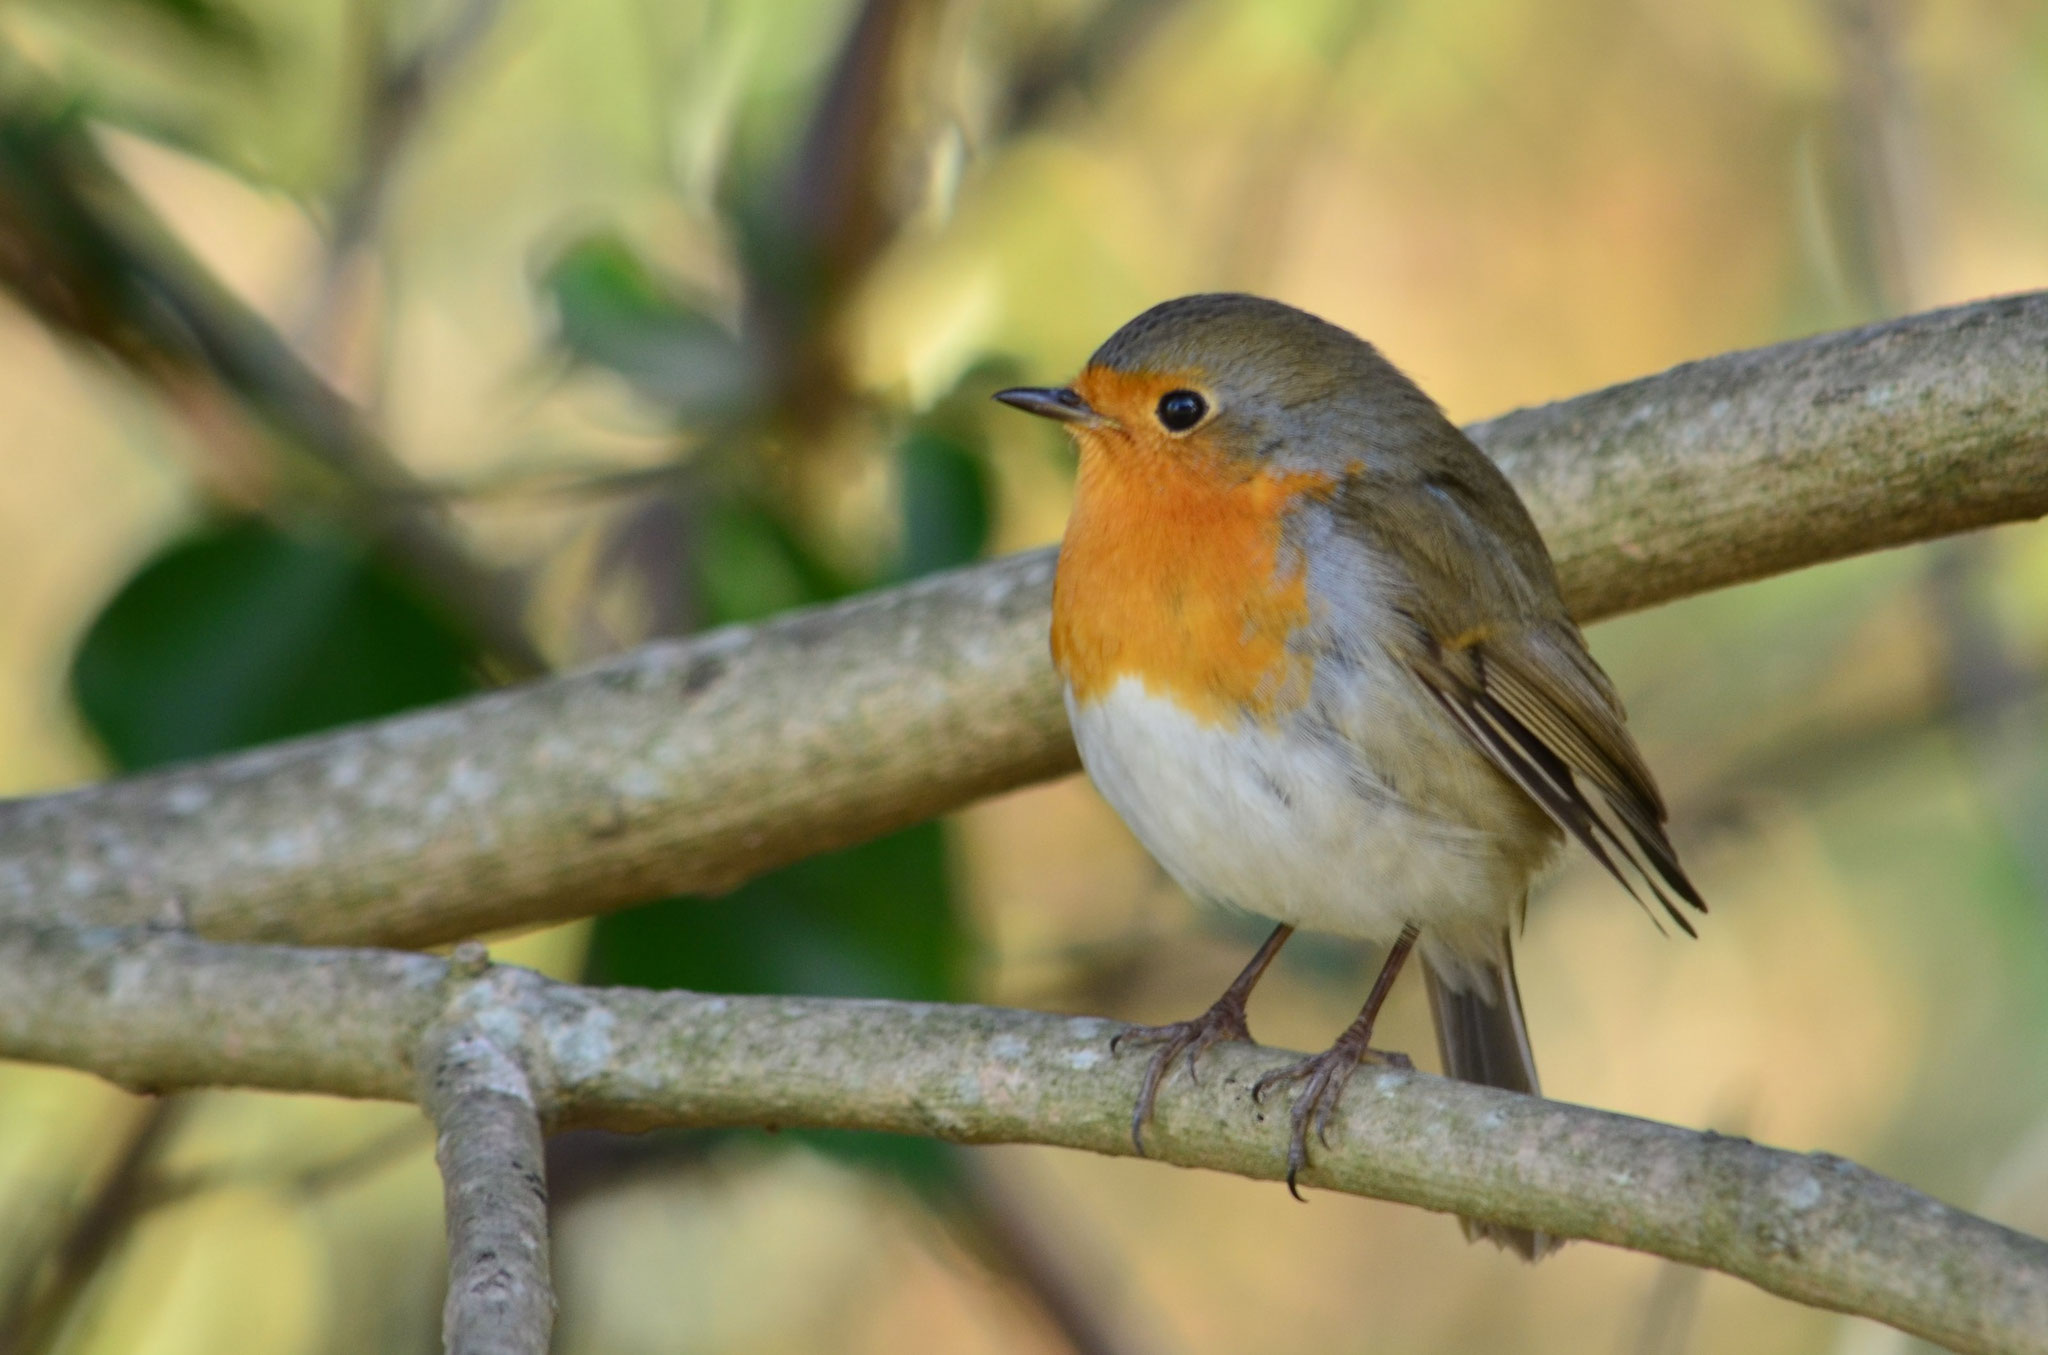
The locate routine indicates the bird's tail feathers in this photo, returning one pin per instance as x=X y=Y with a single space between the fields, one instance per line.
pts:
x=1482 y=1038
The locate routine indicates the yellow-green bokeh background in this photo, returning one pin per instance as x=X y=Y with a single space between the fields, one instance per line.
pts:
x=1517 y=200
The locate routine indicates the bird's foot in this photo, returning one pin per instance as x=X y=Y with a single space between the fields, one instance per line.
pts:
x=1225 y=1020
x=1324 y=1077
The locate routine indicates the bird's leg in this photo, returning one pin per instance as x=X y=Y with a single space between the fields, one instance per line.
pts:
x=1225 y=1020
x=1327 y=1073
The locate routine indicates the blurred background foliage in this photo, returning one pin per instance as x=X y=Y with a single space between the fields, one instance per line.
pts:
x=359 y=353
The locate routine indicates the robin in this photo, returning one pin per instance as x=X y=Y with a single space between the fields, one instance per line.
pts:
x=1315 y=654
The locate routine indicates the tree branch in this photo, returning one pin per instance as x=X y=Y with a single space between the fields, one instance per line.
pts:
x=159 y=1010
x=500 y=1297
x=693 y=766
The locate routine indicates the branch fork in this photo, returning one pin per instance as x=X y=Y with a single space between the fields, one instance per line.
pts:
x=496 y=1055
x=473 y=1085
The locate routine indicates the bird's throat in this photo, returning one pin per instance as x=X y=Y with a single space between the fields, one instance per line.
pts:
x=1178 y=575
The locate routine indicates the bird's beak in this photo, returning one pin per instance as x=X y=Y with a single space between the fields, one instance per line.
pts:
x=1060 y=403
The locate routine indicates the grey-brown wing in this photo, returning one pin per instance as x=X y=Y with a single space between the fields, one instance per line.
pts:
x=1488 y=637
x=1572 y=757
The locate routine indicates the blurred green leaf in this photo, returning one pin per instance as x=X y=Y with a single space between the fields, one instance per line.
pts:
x=202 y=18
x=240 y=634
x=750 y=565
x=946 y=503
x=875 y=920
x=612 y=310
x=218 y=24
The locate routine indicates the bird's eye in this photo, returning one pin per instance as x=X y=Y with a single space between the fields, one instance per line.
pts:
x=1181 y=410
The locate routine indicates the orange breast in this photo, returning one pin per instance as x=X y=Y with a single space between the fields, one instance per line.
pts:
x=1172 y=572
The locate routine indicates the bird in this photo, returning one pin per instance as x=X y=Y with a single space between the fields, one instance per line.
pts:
x=1315 y=654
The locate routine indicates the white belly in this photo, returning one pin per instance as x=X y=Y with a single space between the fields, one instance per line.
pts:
x=1292 y=826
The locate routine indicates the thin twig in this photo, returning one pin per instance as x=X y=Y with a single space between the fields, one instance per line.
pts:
x=1011 y=1232
x=1080 y=63
x=33 y=1324
x=397 y=96
x=847 y=192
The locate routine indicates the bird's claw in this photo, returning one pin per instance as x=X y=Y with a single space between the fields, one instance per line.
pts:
x=1223 y=1021
x=1326 y=1076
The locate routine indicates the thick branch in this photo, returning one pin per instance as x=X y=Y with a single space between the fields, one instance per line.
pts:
x=500 y=1297
x=1756 y=463
x=160 y=1010
x=693 y=766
